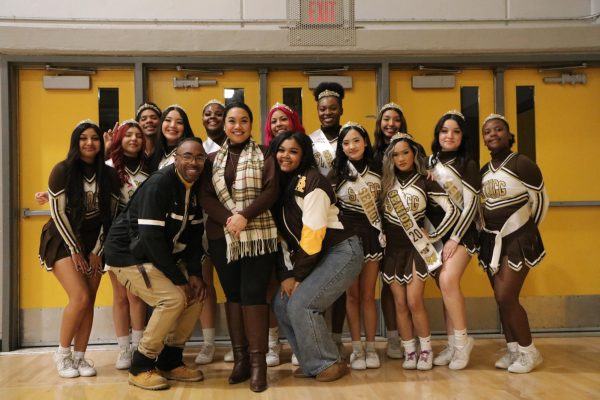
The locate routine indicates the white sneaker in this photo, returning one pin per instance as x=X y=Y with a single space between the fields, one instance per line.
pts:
x=372 y=359
x=65 y=366
x=460 y=359
x=228 y=356
x=295 y=360
x=410 y=360
x=84 y=367
x=394 y=349
x=206 y=354
x=357 y=360
x=507 y=359
x=273 y=354
x=526 y=362
x=425 y=360
x=124 y=358
x=445 y=356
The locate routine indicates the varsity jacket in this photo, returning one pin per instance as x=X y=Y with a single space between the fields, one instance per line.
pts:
x=162 y=225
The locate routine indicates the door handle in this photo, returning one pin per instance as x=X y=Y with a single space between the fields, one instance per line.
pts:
x=27 y=212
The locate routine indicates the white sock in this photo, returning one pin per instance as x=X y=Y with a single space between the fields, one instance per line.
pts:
x=460 y=337
x=78 y=355
x=123 y=341
x=451 y=341
x=425 y=343
x=274 y=335
x=527 y=349
x=370 y=346
x=337 y=337
x=357 y=346
x=513 y=347
x=65 y=351
x=208 y=335
x=410 y=346
x=136 y=336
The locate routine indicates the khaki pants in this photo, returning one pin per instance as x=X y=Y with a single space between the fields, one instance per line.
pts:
x=171 y=323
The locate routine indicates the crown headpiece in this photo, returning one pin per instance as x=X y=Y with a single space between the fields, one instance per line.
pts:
x=455 y=112
x=281 y=105
x=131 y=121
x=87 y=121
x=328 y=93
x=494 y=116
x=176 y=106
x=402 y=135
x=147 y=106
x=213 y=101
x=352 y=124
x=389 y=106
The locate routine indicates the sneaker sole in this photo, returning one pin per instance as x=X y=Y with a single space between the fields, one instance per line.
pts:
x=162 y=386
x=181 y=379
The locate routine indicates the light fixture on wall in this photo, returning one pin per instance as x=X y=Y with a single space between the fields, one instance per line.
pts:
x=435 y=78
x=566 y=77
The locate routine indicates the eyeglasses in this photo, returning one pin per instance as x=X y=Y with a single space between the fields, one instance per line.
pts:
x=187 y=157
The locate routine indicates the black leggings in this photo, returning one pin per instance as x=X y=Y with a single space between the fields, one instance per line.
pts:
x=246 y=280
x=507 y=285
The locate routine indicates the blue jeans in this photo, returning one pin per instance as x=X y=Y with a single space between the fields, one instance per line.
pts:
x=301 y=316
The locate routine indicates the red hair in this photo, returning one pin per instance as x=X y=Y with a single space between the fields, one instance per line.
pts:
x=117 y=150
x=295 y=124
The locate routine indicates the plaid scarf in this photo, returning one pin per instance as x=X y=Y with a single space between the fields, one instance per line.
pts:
x=260 y=235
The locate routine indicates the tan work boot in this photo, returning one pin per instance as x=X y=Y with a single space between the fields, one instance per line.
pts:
x=334 y=372
x=149 y=380
x=183 y=373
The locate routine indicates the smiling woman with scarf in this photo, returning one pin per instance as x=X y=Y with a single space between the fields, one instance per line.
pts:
x=239 y=187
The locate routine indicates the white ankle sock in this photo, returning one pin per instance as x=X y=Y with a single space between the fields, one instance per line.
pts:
x=512 y=346
x=357 y=346
x=208 y=335
x=78 y=355
x=136 y=336
x=451 y=341
x=370 y=346
x=527 y=349
x=123 y=341
x=274 y=335
x=460 y=337
x=425 y=343
x=63 y=350
x=410 y=346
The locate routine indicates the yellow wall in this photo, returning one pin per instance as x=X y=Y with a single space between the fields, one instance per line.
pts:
x=162 y=92
x=45 y=122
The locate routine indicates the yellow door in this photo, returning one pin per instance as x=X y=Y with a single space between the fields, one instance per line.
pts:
x=360 y=101
x=46 y=119
x=563 y=121
x=422 y=109
x=162 y=92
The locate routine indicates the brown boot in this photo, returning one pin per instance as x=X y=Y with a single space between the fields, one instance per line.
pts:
x=239 y=343
x=256 y=321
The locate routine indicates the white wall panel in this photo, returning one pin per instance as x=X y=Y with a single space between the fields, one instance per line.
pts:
x=548 y=8
x=120 y=9
x=265 y=9
x=429 y=9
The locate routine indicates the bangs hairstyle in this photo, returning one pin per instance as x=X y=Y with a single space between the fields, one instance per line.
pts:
x=331 y=86
x=74 y=184
x=340 y=164
x=293 y=117
x=288 y=181
x=117 y=155
x=380 y=144
x=464 y=150
x=161 y=142
x=389 y=169
x=238 y=104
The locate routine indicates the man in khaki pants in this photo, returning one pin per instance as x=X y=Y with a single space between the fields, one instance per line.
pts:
x=154 y=249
